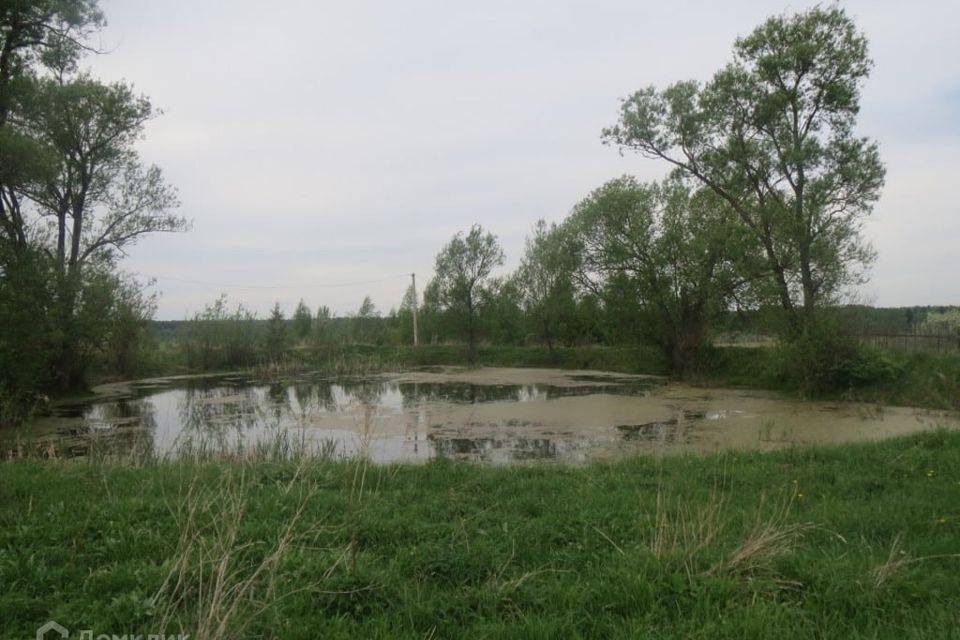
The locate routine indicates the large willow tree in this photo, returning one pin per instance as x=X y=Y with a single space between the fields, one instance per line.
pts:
x=74 y=195
x=773 y=135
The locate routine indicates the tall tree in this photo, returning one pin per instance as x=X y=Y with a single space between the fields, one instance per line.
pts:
x=276 y=338
x=28 y=337
x=461 y=280
x=73 y=192
x=322 y=334
x=365 y=317
x=33 y=34
x=100 y=196
x=302 y=320
x=772 y=134
x=545 y=281
x=663 y=249
x=503 y=319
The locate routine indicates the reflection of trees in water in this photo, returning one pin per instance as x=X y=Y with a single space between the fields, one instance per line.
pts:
x=467 y=393
x=215 y=413
x=306 y=396
x=279 y=399
x=530 y=392
x=666 y=432
x=334 y=396
x=325 y=397
x=364 y=392
x=487 y=448
x=368 y=396
x=125 y=427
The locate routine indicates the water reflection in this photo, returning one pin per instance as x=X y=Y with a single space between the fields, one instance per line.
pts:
x=666 y=432
x=511 y=449
x=380 y=418
x=122 y=427
x=415 y=417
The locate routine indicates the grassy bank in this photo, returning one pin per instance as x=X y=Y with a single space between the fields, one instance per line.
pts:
x=842 y=542
x=907 y=379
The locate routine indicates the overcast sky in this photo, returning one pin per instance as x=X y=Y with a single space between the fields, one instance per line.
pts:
x=323 y=150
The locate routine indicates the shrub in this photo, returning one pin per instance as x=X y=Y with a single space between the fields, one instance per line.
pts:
x=827 y=358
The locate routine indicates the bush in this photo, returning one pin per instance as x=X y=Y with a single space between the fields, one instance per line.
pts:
x=827 y=358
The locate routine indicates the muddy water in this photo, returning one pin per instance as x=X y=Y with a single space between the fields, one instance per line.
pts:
x=489 y=415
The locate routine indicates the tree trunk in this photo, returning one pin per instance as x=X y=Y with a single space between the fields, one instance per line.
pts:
x=684 y=347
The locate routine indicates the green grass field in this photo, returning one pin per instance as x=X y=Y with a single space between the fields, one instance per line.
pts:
x=858 y=541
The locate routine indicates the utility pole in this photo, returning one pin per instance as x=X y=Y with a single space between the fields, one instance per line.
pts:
x=415 y=338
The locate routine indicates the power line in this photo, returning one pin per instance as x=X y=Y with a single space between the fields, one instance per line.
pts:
x=274 y=287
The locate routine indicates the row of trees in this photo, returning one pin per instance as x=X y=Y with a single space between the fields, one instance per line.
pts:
x=762 y=208
x=74 y=194
x=220 y=337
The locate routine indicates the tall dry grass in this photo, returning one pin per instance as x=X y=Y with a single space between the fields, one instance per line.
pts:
x=218 y=584
x=709 y=538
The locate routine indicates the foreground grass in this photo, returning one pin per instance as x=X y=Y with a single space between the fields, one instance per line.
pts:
x=842 y=542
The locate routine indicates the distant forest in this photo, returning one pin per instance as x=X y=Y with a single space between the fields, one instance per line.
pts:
x=863 y=319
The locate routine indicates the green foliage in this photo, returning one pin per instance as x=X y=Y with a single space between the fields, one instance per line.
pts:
x=302 y=320
x=855 y=541
x=127 y=332
x=108 y=330
x=366 y=326
x=72 y=186
x=826 y=359
x=461 y=281
x=924 y=380
x=404 y=317
x=503 y=319
x=29 y=338
x=217 y=339
x=98 y=191
x=321 y=338
x=276 y=340
x=546 y=287
x=942 y=323
x=661 y=255
x=772 y=134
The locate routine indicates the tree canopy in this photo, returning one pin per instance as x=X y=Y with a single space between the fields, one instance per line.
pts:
x=664 y=247
x=461 y=279
x=772 y=134
x=74 y=196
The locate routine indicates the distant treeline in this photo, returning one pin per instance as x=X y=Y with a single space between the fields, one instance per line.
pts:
x=864 y=319
x=860 y=319
x=222 y=336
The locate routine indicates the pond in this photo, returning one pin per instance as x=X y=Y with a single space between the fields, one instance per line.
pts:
x=488 y=415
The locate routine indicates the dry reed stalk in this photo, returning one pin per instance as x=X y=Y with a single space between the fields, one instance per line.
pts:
x=771 y=537
x=897 y=559
x=211 y=583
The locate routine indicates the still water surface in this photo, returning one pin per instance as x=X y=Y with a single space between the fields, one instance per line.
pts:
x=487 y=415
